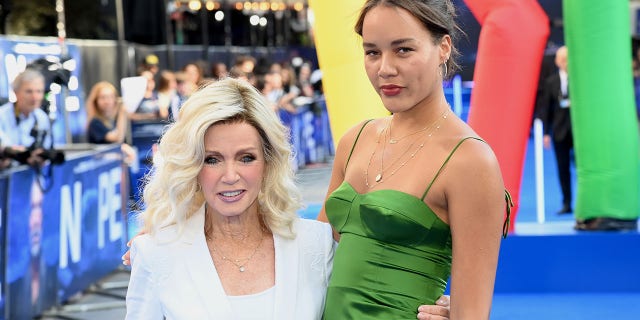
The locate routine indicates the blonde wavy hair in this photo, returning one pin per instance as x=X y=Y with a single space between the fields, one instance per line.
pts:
x=171 y=194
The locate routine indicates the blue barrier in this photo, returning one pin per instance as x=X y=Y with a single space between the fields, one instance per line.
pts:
x=4 y=197
x=66 y=237
x=144 y=135
x=310 y=133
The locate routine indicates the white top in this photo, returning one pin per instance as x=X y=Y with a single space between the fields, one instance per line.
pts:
x=257 y=306
x=564 y=77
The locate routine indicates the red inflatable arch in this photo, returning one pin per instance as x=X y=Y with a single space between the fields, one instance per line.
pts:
x=510 y=52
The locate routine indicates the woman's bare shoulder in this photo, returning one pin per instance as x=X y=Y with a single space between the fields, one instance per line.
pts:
x=361 y=129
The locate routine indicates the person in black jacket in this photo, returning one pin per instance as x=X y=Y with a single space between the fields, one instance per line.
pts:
x=555 y=113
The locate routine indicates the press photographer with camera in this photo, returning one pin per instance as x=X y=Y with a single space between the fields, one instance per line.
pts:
x=24 y=127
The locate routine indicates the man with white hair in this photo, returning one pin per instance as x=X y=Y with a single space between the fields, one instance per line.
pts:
x=22 y=123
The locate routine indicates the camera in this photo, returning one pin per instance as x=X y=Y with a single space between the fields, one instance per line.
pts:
x=52 y=155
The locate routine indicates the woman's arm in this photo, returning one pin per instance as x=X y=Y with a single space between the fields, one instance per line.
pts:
x=119 y=132
x=475 y=199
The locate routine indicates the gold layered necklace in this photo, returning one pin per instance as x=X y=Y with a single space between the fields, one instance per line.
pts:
x=433 y=127
x=394 y=141
x=239 y=263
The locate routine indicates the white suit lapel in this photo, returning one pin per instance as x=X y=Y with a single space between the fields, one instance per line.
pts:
x=287 y=257
x=202 y=272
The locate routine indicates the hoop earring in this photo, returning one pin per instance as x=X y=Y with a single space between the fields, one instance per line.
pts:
x=445 y=72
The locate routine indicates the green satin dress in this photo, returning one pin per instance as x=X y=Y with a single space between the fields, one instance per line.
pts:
x=394 y=254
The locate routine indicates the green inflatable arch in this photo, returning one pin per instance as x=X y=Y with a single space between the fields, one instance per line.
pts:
x=605 y=128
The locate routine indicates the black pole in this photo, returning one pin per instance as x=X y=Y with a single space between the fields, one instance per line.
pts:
x=169 y=37
x=204 y=25
x=121 y=47
x=227 y=24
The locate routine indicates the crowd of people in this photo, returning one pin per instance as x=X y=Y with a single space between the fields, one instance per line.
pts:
x=286 y=84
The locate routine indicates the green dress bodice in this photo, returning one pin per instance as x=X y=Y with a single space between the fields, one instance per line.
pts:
x=394 y=255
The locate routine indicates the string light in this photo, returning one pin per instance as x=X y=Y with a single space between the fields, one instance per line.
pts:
x=195 y=5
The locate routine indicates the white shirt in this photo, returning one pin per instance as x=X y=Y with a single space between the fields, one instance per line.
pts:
x=564 y=81
x=257 y=306
x=17 y=130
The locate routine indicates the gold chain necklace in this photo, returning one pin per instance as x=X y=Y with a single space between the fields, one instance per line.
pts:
x=239 y=263
x=378 y=179
x=394 y=141
x=366 y=171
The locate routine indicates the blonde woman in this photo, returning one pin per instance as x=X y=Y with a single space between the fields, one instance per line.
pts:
x=223 y=240
x=108 y=122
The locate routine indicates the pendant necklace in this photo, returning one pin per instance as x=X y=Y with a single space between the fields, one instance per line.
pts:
x=366 y=172
x=384 y=131
x=239 y=263
x=378 y=179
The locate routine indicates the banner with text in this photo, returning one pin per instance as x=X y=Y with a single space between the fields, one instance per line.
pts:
x=65 y=231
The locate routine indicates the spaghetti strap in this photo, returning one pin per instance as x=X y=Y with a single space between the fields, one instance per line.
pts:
x=445 y=163
x=507 y=219
x=507 y=196
x=356 y=141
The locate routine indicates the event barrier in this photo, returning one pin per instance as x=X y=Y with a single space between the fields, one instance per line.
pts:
x=65 y=236
x=310 y=132
x=4 y=180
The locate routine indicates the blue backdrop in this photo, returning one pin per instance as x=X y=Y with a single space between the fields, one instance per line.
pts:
x=3 y=201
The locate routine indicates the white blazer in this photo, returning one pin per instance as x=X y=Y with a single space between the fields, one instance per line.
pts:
x=173 y=276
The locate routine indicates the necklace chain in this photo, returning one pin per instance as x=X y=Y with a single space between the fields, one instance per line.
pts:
x=239 y=263
x=394 y=141
x=379 y=177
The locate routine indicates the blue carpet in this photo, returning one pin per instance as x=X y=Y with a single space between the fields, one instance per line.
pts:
x=552 y=192
x=566 y=306
x=311 y=211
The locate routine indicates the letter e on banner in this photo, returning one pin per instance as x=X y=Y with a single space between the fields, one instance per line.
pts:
x=109 y=203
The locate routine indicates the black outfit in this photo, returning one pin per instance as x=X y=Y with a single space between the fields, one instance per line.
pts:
x=98 y=131
x=556 y=117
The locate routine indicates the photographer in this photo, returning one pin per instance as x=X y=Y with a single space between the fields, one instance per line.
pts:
x=23 y=125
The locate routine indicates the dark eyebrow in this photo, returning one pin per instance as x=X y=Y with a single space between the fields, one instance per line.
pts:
x=393 y=43
x=241 y=151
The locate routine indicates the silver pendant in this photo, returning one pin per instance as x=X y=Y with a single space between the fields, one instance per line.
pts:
x=379 y=177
